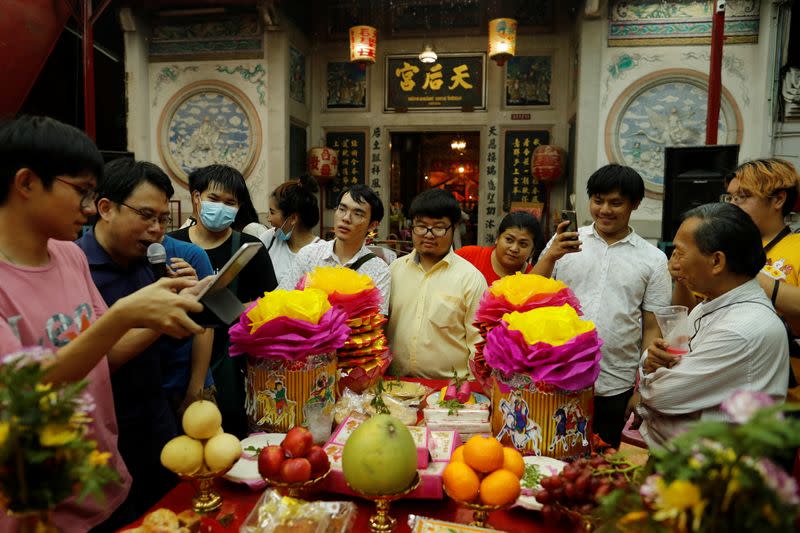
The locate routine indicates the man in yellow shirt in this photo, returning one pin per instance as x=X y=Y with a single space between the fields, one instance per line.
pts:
x=434 y=295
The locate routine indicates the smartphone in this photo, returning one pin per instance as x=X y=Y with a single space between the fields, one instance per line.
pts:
x=232 y=268
x=573 y=220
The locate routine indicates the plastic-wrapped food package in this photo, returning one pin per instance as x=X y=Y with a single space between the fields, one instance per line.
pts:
x=281 y=514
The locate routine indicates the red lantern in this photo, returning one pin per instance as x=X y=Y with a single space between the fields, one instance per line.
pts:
x=547 y=163
x=363 y=43
x=323 y=163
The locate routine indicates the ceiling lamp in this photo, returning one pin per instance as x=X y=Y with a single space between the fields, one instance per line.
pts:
x=428 y=55
x=502 y=39
x=363 y=44
x=458 y=144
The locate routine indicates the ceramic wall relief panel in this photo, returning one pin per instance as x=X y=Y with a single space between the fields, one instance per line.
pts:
x=665 y=108
x=656 y=22
x=209 y=122
x=227 y=36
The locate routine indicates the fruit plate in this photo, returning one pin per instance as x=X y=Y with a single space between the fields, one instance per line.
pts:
x=547 y=467
x=245 y=470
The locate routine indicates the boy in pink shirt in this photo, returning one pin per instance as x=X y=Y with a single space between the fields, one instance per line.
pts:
x=48 y=173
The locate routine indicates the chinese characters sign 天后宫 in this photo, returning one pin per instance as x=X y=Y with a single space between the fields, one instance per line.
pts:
x=453 y=82
x=352 y=163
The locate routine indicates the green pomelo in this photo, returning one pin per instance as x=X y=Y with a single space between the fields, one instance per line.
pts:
x=380 y=457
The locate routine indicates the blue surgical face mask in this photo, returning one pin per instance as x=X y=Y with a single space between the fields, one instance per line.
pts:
x=284 y=235
x=217 y=216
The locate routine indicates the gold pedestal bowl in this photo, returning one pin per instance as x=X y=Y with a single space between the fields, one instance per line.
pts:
x=206 y=499
x=480 y=511
x=382 y=521
x=296 y=489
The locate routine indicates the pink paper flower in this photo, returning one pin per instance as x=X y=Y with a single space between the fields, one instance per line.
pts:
x=571 y=366
x=779 y=481
x=492 y=308
x=741 y=405
x=290 y=339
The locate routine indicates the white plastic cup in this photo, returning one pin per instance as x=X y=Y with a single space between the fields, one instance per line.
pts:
x=318 y=418
x=673 y=321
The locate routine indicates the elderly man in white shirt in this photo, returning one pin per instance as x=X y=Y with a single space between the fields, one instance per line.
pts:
x=737 y=341
x=358 y=212
x=620 y=280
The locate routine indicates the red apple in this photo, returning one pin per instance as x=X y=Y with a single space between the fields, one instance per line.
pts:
x=297 y=442
x=296 y=470
x=319 y=461
x=270 y=460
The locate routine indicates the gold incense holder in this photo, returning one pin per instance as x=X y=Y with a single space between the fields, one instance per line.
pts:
x=206 y=499
x=480 y=512
x=297 y=489
x=382 y=521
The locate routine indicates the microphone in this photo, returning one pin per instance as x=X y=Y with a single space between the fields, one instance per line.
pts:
x=157 y=256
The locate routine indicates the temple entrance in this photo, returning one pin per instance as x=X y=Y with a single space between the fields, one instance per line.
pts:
x=447 y=160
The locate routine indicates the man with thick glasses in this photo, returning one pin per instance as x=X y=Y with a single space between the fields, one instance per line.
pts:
x=133 y=213
x=359 y=211
x=434 y=295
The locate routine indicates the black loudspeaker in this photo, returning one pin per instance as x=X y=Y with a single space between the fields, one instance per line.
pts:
x=693 y=175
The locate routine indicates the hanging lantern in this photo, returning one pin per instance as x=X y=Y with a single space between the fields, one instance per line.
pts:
x=323 y=163
x=363 y=44
x=502 y=39
x=547 y=163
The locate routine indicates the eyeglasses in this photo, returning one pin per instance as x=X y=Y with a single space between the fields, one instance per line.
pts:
x=150 y=217
x=88 y=194
x=356 y=215
x=734 y=198
x=421 y=231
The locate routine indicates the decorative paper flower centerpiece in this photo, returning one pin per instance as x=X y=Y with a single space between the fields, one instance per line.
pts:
x=289 y=325
x=45 y=453
x=716 y=477
x=290 y=338
x=551 y=345
x=520 y=293
x=541 y=360
x=365 y=355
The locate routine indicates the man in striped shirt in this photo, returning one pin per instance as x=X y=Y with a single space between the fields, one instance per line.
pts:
x=737 y=341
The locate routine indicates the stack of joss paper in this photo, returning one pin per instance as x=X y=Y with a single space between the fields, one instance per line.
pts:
x=365 y=355
x=551 y=347
x=289 y=326
x=517 y=293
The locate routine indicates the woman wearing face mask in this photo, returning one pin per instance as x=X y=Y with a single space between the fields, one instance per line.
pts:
x=217 y=192
x=293 y=212
x=519 y=239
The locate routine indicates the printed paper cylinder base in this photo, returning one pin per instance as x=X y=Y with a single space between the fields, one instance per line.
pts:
x=277 y=391
x=556 y=424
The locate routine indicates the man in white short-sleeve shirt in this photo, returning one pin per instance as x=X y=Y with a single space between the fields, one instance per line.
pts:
x=620 y=280
x=359 y=211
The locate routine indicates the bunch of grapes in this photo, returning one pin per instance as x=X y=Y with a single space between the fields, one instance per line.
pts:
x=581 y=484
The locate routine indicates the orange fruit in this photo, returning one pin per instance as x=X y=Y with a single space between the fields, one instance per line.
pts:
x=461 y=482
x=458 y=455
x=484 y=454
x=512 y=460
x=501 y=487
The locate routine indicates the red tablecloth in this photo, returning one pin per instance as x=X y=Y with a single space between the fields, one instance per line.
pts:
x=238 y=501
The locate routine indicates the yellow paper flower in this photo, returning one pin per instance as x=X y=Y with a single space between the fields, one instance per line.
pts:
x=98 y=458
x=57 y=434
x=680 y=494
x=5 y=428
x=553 y=325
x=338 y=279
x=308 y=305
x=519 y=288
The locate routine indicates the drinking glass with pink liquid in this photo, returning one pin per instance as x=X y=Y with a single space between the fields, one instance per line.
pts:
x=673 y=321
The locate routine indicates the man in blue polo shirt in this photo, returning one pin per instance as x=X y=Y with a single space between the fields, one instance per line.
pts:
x=132 y=213
x=186 y=375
